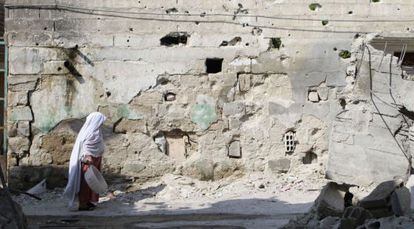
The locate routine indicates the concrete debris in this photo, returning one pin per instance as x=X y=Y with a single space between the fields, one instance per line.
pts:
x=11 y=214
x=387 y=206
x=39 y=188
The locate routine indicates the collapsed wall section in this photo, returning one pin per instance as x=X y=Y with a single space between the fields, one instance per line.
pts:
x=204 y=90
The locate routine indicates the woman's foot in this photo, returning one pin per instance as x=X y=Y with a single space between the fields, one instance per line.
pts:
x=87 y=207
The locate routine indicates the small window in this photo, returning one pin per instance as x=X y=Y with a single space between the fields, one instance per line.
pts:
x=214 y=65
x=289 y=139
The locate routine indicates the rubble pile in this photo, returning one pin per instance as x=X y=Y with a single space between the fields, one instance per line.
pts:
x=387 y=206
x=11 y=214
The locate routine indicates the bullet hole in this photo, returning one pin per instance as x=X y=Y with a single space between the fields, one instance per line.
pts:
x=169 y=96
x=315 y=6
x=342 y=102
x=174 y=38
x=275 y=43
x=344 y=54
x=186 y=12
x=309 y=158
x=408 y=29
x=37 y=44
x=232 y=42
x=128 y=40
x=375 y=0
x=131 y=29
x=350 y=12
x=335 y=49
x=257 y=31
x=108 y=93
x=197 y=22
x=213 y=65
x=203 y=14
x=357 y=36
x=325 y=22
x=247 y=44
x=45 y=28
x=261 y=186
x=135 y=152
x=171 y=10
x=59 y=69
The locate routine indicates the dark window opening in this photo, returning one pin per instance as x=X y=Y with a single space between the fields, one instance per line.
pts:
x=407 y=61
x=214 y=65
x=174 y=38
x=309 y=158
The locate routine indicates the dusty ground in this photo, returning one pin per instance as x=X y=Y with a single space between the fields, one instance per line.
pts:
x=251 y=201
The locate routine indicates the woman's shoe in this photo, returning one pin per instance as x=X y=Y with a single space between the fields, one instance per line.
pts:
x=88 y=207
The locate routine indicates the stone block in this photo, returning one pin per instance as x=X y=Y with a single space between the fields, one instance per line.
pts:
x=19 y=145
x=357 y=214
x=234 y=108
x=279 y=165
x=202 y=169
x=54 y=68
x=234 y=149
x=21 y=113
x=401 y=201
x=244 y=82
x=330 y=201
x=323 y=93
x=22 y=82
x=25 y=61
x=17 y=98
x=23 y=128
x=234 y=123
x=313 y=96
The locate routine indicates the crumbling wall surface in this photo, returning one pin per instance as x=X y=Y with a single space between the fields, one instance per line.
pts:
x=195 y=88
x=371 y=133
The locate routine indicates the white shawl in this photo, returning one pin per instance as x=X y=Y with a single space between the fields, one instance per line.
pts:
x=89 y=142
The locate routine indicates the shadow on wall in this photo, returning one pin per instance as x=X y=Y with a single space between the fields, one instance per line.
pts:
x=24 y=177
x=237 y=213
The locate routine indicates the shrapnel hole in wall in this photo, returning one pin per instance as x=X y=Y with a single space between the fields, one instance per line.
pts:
x=289 y=140
x=309 y=158
x=213 y=65
x=275 y=43
x=174 y=38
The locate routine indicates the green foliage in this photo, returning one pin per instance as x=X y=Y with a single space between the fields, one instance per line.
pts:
x=314 y=6
x=345 y=54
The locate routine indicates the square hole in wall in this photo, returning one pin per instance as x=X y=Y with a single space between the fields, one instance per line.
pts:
x=289 y=140
x=213 y=65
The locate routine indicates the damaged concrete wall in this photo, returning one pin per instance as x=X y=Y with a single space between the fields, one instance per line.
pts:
x=196 y=88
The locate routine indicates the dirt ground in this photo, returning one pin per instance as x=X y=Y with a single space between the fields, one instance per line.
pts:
x=252 y=201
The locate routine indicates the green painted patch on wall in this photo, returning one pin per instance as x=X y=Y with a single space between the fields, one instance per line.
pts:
x=203 y=115
x=123 y=111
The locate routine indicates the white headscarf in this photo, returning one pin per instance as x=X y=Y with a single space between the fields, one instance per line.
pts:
x=88 y=142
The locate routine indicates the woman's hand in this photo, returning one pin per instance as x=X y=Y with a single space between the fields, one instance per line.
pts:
x=87 y=159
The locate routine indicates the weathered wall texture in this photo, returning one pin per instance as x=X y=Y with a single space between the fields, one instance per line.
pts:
x=209 y=88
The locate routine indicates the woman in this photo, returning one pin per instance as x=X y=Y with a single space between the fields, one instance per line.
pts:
x=88 y=149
